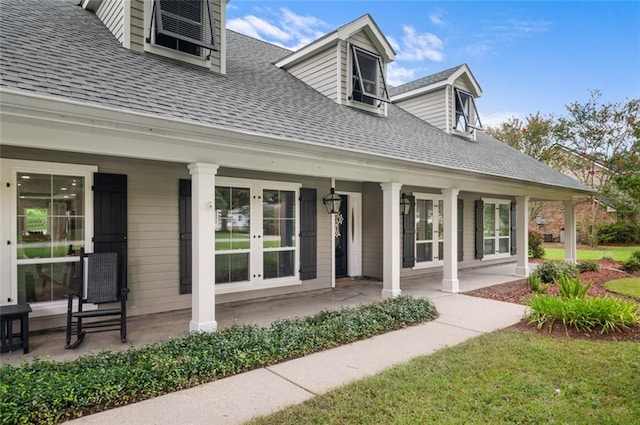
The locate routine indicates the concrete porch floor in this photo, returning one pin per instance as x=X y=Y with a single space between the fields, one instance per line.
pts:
x=146 y=329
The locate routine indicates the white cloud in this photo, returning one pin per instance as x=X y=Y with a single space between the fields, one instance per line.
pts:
x=397 y=75
x=285 y=28
x=257 y=28
x=417 y=47
x=436 y=19
x=495 y=119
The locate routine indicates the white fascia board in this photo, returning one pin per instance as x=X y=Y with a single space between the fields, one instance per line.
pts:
x=363 y=23
x=34 y=121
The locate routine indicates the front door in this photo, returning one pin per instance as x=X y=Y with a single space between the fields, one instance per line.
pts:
x=342 y=251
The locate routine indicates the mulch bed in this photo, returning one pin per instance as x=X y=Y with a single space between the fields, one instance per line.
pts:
x=518 y=292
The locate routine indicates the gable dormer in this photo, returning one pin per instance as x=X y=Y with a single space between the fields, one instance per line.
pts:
x=348 y=65
x=186 y=30
x=445 y=100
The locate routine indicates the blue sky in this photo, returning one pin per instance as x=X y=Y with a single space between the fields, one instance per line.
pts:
x=527 y=56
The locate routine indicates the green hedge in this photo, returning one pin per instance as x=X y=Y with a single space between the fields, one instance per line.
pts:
x=50 y=392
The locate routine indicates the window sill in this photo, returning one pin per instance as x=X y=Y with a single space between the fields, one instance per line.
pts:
x=464 y=134
x=174 y=54
x=428 y=265
x=54 y=308
x=374 y=109
x=230 y=288
x=496 y=256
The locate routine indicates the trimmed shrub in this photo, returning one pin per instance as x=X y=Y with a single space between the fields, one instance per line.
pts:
x=535 y=245
x=550 y=271
x=583 y=314
x=48 y=392
x=607 y=257
x=535 y=284
x=630 y=266
x=625 y=231
x=588 y=266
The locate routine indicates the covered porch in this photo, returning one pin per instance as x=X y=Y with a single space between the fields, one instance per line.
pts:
x=151 y=328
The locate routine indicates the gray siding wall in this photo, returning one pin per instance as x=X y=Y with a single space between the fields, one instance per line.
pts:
x=320 y=72
x=430 y=107
x=153 y=268
x=111 y=13
x=138 y=33
x=372 y=244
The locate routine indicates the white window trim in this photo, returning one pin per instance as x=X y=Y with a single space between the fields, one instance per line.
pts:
x=497 y=255
x=471 y=126
x=256 y=251
x=166 y=51
x=10 y=168
x=382 y=109
x=418 y=265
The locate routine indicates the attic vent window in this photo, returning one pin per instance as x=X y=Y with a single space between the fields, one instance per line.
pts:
x=467 y=117
x=367 y=77
x=185 y=25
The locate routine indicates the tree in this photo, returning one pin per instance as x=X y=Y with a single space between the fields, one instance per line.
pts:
x=601 y=135
x=533 y=136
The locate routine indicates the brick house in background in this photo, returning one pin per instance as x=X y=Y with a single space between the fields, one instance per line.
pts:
x=547 y=217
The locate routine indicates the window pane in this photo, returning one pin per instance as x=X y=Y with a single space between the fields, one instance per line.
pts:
x=278 y=223
x=424 y=220
x=45 y=282
x=424 y=252
x=503 y=245
x=278 y=264
x=504 y=215
x=441 y=250
x=49 y=214
x=489 y=246
x=232 y=268
x=489 y=220
x=233 y=212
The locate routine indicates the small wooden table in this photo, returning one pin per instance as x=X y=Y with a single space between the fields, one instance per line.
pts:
x=9 y=340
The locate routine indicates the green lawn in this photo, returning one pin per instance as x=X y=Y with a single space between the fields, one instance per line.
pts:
x=629 y=287
x=619 y=253
x=504 y=377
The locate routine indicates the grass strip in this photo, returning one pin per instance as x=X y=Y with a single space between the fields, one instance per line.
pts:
x=505 y=377
x=629 y=287
x=48 y=392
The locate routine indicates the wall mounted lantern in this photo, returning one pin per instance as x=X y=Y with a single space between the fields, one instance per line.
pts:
x=405 y=205
x=332 y=202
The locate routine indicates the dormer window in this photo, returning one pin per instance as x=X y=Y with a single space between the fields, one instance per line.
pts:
x=467 y=117
x=366 y=77
x=185 y=25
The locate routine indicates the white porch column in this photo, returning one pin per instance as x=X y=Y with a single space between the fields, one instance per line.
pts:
x=569 y=232
x=522 y=240
x=391 y=239
x=203 y=230
x=450 y=281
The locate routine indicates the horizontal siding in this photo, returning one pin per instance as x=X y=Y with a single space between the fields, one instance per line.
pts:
x=137 y=25
x=319 y=72
x=430 y=107
x=111 y=13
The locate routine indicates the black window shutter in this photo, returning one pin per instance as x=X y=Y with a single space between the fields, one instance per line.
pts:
x=514 y=229
x=308 y=234
x=409 y=234
x=184 y=224
x=479 y=229
x=110 y=219
x=460 y=230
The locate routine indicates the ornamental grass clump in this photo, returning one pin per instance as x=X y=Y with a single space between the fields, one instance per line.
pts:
x=48 y=392
x=632 y=264
x=535 y=284
x=583 y=314
x=571 y=287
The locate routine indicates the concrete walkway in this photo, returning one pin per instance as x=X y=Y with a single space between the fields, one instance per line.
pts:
x=239 y=398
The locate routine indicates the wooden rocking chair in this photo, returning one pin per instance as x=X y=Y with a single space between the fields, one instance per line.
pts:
x=102 y=287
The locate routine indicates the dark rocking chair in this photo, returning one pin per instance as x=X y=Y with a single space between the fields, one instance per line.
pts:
x=102 y=287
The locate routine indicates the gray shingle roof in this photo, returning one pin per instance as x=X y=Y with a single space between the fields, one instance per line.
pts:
x=57 y=49
x=424 y=81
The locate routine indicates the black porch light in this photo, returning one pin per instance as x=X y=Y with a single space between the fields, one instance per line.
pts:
x=332 y=202
x=405 y=205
